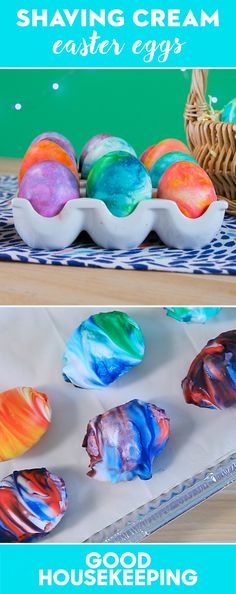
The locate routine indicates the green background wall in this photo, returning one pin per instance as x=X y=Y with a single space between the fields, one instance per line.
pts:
x=143 y=106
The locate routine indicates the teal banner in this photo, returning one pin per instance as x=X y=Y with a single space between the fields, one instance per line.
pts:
x=117 y=34
x=201 y=569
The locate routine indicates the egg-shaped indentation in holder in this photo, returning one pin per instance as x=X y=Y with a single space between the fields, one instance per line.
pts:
x=178 y=231
x=111 y=232
x=48 y=233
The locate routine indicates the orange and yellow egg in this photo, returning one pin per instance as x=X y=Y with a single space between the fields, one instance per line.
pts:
x=189 y=186
x=25 y=415
x=46 y=150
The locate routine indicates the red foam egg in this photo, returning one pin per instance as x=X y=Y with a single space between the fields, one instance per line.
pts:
x=154 y=152
x=189 y=186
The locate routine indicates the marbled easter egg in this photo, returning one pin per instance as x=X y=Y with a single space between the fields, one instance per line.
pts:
x=102 y=349
x=59 y=139
x=189 y=186
x=211 y=379
x=164 y=162
x=154 y=152
x=192 y=315
x=121 y=181
x=32 y=503
x=109 y=144
x=91 y=144
x=145 y=153
x=49 y=185
x=25 y=415
x=229 y=112
x=46 y=150
x=123 y=442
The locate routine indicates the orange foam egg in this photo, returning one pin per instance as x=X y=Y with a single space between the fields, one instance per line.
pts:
x=25 y=415
x=146 y=153
x=46 y=150
x=189 y=186
x=150 y=156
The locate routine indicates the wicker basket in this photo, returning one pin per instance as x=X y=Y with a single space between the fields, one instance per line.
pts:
x=213 y=143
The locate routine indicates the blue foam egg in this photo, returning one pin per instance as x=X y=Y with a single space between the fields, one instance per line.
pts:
x=102 y=349
x=123 y=442
x=101 y=148
x=164 y=162
x=192 y=315
x=229 y=112
x=121 y=181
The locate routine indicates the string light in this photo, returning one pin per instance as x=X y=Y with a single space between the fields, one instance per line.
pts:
x=18 y=106
x=56 y=86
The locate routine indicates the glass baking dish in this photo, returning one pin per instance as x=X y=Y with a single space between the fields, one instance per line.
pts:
x=145 y=520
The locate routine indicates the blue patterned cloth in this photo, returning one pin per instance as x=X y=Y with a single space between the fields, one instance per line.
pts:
x=219 y=257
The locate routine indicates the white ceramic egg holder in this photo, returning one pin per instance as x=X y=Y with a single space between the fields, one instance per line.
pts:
x=110 y=232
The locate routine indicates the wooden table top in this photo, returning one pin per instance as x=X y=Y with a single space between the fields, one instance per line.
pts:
x=212 y=521
x=35 y=284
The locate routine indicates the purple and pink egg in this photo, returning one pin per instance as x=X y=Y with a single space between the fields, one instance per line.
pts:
x=48 y=186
